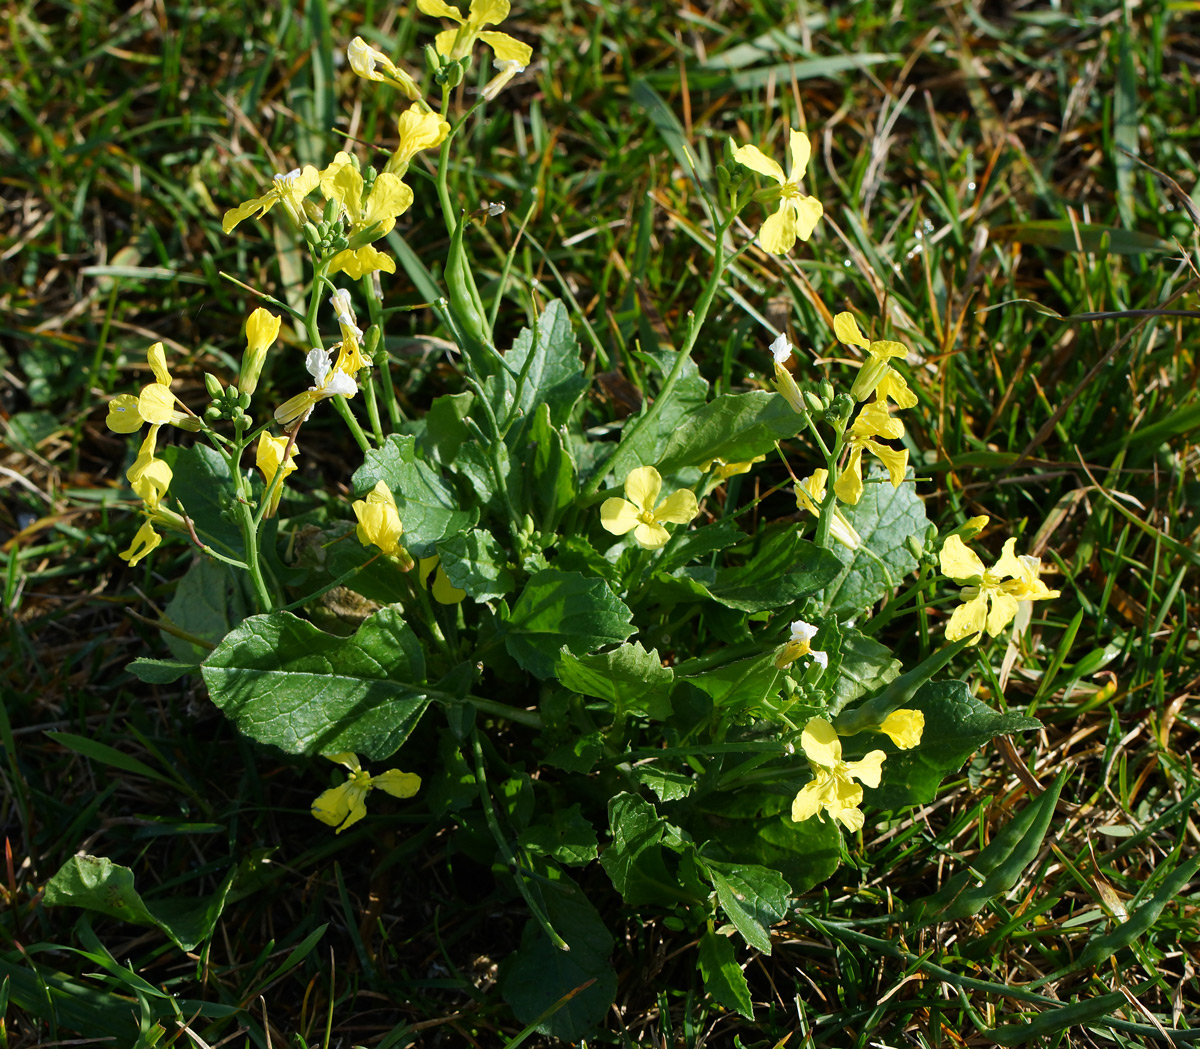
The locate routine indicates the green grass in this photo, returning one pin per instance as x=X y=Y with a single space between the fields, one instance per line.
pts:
x=965 y=216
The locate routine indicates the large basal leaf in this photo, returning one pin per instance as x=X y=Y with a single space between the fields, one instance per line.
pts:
x=97 y=884
x=284 y=682
x=741 y=685
x=735 y=427
x=563 y=608
x=539 y=974
x=646 y=445
x=634 y=858
x=785 y=568
x=956 y=725
x=885 y=518
x=199 y=477
x=207 y=604
x=429 y=509
x=630 y=678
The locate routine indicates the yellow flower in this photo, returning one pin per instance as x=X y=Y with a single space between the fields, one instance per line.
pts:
x=155 y=404
x=876 y=375
x=262 y=329
x=904 y=728
x=810 y=494
x=150 y=477
x=639 y=514
x=444 y=591
x=506 y=69
x=344 y=805
x=797 y=215
x=371 y=64
x=350 y=359
x=723 y=471
x=379 y=522
x=289 y=190
x=418 y=129
x=992 y=600
x=269 y=458
x=374 y=217
x=833 y=789
x=330 y=382
x=873 y=421
x=799 y=645
x=457 y=43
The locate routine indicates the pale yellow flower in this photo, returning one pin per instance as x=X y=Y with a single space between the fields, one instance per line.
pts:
x=350 y=359
x=373 y=217
x=904 y=728
x=640 y=514
x=798 y=214
x=419 y=129
x=873 y=421
x=262 y=329
x=288 y=190
x=781 y=350
x=832 y=788
x=269 y=458
x=155 y=404
x=876 y=376
x=993 y=599
x=799 y=644
x=371 y=64
x=810 y=494
x=344 y=805
x=444 y=591
x=458 y=43
x=150 y=477
x=379 y=522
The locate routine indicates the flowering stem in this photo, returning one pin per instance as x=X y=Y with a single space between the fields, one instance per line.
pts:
x=248 y=522
x=372 y=408
x=825 y=521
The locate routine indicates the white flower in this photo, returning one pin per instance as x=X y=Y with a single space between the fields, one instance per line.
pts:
x=781 y=349
x=343 y=308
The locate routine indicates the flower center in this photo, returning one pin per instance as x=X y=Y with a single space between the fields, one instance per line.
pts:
x=646 y=517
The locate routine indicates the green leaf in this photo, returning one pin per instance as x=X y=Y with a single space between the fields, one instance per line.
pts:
x=474 y=464
x=551 y=471
x=199 y=479
x=956 y=725
x=700 y=542
x=445 y=431
x=1081 y=236
x=160 y=671
x=97 y=884
x=564 y=835
x=646 y=446
x=208 y=603
x=804 y=854
x=630 y=678
x=563 y=608
x=734 y=426
x=741 y=685
x=996 y=868
x=538 y=974
x=286 y=683
x=476 y=563
x=428 y=507
x=634 y=858
x=723 y=977
x=550 y=363
x=753 y=897
x=865 y=666
x=885 y=517
x=667 y=784
x=785 y=568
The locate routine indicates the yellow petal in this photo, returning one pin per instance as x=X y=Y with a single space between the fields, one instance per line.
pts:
x=358 y=263
x=378 y=519
x=345 y=759
x=850 y=817
x=507 y=48
x=874 y=420
x=344 y=805
x=807 y=212
x=821 y=744
x=885 y=349
x=968 y=620
x=777 y=235
x=807 y=802
x=243 y=211
x=904 y=728
x=151 y=482
x=869 y=769
x=123 y=415
x=619 y=515
x=262 y=329
x=893 y=385
x=444 y=591
x=849 y=485
x=895 y=460
x=679 y=507
x=651 y=536
x=156 y=403
x=444 y=42
x=1008 y=565
x=396 y=783
x=801 y=150
x=642 y=487
x=341 y=182
x=418 y=129
x=390 y=197
x=156 y=356
x=846 y=328
x=488 y=12
x=1004 y=610
x=960 y=562
x=754 y=158
x=439 y=9
x=147 y=539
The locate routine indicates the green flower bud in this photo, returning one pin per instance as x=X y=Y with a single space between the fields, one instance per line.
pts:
x=914 y=546
x=244 y=400
x=212 y=413
x=312 y=235
x=213 y=385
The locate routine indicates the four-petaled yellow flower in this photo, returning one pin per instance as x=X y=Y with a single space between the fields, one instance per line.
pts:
x=262 y=329
x=640 y=514
x=873 y=421
x=371 y=218
x=876 y=376
x=418 y=129
x=833 y=789
x=289 y=190
x=904 y=728
x=379 y=523
x=269 y=458
x=810 y=494
x=798 y=214
x=154 y=405
x=993 y=598
x=344 y=805
x=371 y=64
x=457 y=43
x=150 y=477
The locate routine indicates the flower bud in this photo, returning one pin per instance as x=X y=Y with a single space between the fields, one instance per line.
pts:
x=244 y=400
x=262 y=329
x=213 y=385
x=311 y=234
x=914 y=546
